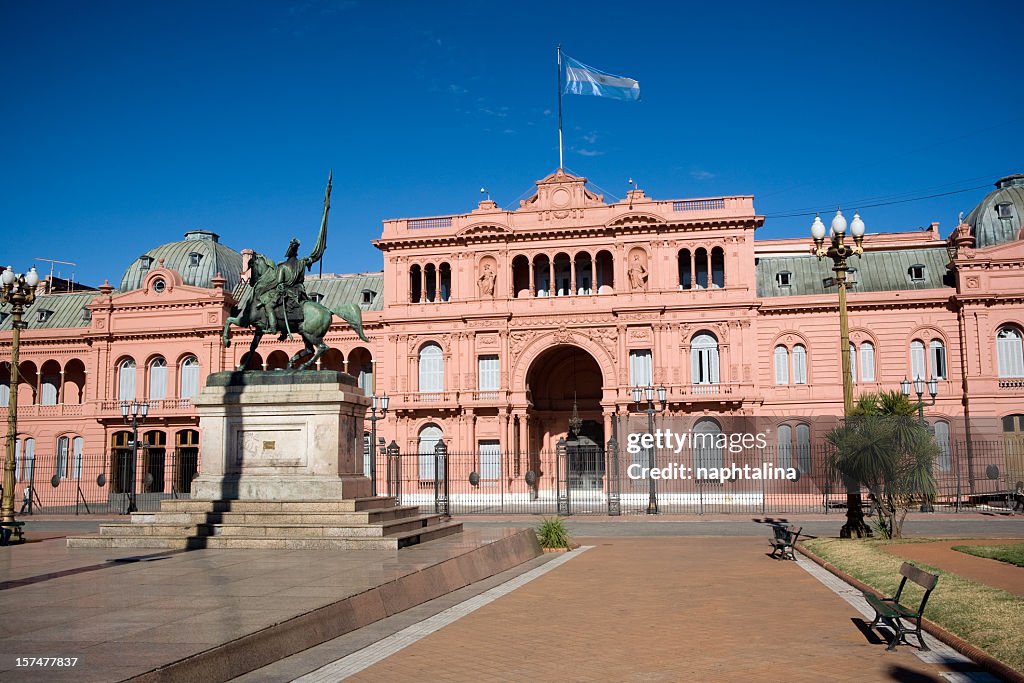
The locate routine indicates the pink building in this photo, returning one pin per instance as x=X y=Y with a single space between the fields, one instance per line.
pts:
x=491 y=329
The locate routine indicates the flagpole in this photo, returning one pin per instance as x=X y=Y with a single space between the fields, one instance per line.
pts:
x=559 y=49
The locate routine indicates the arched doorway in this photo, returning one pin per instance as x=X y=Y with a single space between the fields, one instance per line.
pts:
x=565 y=385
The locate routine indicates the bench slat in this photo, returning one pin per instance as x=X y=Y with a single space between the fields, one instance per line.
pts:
x=919 y=576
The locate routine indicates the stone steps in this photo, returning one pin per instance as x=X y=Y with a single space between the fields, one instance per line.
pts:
x=302 y=506
x=395 y=541
x=359 y=523
x=374 y=516
x=265 y=528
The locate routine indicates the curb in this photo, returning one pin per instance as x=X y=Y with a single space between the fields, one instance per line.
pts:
x=983 y=659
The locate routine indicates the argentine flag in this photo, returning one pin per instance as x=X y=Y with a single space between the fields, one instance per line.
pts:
x=581 y=79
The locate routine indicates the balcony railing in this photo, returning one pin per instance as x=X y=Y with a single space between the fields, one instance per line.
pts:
x=1011 y=383
x=157 y=405
x=59 y=410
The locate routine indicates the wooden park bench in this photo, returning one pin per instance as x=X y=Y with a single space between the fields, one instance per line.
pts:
x=783 y=541
x=15 y=529
x=896 y=614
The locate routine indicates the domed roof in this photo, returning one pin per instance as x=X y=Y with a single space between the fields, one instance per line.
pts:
x=997 y=219
x=198 y=258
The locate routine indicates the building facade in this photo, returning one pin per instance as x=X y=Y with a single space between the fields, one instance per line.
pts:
x=491 y=330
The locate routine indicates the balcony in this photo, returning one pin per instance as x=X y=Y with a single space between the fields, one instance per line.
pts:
x=411 y=400
x=693 y=393
x=60 y=410
x=1011 y=384
x=157 y=406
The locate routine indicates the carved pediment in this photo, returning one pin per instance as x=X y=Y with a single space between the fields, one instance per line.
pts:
x=562 y=192
x=636 y=218
x=484 y=229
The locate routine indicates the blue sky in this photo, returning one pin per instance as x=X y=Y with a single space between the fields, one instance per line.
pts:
x=125 y=124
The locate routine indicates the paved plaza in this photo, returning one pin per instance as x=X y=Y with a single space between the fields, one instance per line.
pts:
x=646 y=600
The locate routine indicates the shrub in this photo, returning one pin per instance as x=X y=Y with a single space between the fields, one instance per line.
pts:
x=552 y=533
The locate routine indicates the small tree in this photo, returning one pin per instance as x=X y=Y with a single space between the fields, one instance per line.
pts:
x=884 y=447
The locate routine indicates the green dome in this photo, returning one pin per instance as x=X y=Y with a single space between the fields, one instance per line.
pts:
x=198 y=258
x=997 y=219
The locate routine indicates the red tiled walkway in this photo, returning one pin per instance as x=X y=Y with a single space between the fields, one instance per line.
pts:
x=659 y=609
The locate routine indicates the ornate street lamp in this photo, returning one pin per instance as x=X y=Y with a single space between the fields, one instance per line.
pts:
x=381 y=404
x=839 y=252
x=18 y=291
x=933 y=391
x=133 y=414
x=647 y=395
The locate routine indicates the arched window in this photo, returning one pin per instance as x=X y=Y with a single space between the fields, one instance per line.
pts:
x=49 y=393
x=781 y=365
x=542 y=275
x=799 y=364
x=685 y=269
x=126 y=380
x=803 y=447
x=917 y=362
x=189 y=377
x=700 y=266
x=415 y=284
x=785 y=441
x=24 y=459
x=5 y=394
x=158 y=379
x=717 y=268
x=945 y=458
x=428 y=438
x=77 y=444
x=937 y=354
x=707 y=451
x=1010 y=352
x=867 y=361
x=704 y=359
x=431 y=368
x=61 y=465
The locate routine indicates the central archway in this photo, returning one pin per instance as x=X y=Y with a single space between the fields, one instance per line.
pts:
x=558 y=377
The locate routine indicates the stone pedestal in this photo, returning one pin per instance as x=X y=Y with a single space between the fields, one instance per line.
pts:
x=281 y=435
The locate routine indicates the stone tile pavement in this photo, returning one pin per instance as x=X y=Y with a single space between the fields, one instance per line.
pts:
x=661 y=609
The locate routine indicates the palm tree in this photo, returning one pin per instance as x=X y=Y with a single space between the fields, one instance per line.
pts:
x=885 y=448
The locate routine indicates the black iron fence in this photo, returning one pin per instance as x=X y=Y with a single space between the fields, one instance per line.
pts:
x=570 y=480
x=582 y=480
x=104 y=484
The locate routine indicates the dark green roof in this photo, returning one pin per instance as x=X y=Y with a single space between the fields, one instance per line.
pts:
x=341 y=289
x=65 y=310
x=992 y=225
x=877 y=271
x=213 y=257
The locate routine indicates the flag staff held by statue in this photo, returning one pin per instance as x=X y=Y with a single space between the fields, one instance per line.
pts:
x=559 y=51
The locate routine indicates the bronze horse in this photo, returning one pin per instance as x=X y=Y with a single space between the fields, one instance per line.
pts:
x=316 y=318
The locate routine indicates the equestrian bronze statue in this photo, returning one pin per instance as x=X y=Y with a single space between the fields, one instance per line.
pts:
x=276 y=301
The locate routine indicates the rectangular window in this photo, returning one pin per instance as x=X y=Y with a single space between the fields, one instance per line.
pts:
x=938 y=353
x=640 y=368
x=867 y=362
x=781 y=365
x=49 y=397
x=365 y=379
x=917 y=366
x=490 y=461
x=62 y=457
x=489 y=373
x=367 y=453
x=799 y=364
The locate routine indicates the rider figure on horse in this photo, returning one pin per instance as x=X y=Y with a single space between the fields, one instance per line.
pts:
x=289 y=291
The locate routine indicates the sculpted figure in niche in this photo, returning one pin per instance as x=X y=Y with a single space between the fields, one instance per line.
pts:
x=486 y=281
x=637 y=274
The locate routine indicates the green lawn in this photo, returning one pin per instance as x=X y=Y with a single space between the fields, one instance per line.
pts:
x=1011 y=553
x=989 y=618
